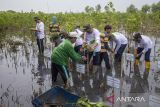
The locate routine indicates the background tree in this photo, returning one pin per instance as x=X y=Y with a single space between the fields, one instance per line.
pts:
x=106 y=8
x=132 y=9
x=155 y=7
x=98 y=8
x=109 y=7
x=89 y=9
x=146 y=8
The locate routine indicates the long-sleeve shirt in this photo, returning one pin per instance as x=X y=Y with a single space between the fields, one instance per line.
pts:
x=40 y=30
x=145 y=43
x=119 y=39
x=63 y=52
x=94 y=36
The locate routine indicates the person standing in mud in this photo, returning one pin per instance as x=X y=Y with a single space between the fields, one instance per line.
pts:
x=92 y=40
x=121 y=43
x=39 y=33
x=61 y=55
x=143 y=45
x=105 y=47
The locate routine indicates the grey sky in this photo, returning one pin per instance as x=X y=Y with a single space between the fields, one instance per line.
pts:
x=67 y=5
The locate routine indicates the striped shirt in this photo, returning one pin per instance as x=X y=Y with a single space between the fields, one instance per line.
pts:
x=104 y=40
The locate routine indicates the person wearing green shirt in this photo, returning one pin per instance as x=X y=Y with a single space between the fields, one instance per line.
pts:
x=61 y=55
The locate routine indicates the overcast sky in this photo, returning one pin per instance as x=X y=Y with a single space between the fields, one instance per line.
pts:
x=55 y=6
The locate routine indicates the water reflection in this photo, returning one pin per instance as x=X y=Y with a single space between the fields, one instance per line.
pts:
x=25 y=75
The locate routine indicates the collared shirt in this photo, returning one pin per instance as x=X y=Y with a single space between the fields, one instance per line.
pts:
x=40 y=32
x=119 y=39
x=145 y=43
x=94 y=36
x=79 y=40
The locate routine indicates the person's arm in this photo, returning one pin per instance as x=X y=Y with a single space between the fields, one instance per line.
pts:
x=71 y=53
x=97 y=39
x=84 y=37
x=135 y=49
x=136 y=45
x=146 y=47
x=107 y=47
x=118 y=45
x=110 y=43
x=34 y=29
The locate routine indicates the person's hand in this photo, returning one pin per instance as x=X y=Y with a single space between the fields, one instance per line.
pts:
x=32 y=29
x=112 y=51
x=81 y=49
x=84 y=45
x=84 y=58
x=90 y=49
x=138 y=55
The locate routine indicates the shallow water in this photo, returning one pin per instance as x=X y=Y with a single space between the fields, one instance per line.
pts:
x=24 y=75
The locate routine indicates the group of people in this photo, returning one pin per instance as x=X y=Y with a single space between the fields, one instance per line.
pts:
x=93 y=42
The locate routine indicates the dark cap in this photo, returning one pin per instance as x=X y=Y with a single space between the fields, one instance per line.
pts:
x=86 y=27
x=36 y=18
x=107 y=27
x=136 y=36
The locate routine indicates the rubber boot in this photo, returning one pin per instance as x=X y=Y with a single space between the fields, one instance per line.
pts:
x=147 y=64
x=136 y=61
x=147 y=68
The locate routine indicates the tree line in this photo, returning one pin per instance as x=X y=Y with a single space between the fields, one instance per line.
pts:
x=145 y=20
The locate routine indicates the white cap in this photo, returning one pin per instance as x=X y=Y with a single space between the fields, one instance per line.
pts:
x=73 y=34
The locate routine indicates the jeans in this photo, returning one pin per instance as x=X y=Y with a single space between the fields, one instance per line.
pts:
x=147 y=54
x=104 y=55
x=40 y=45
x=118 y=55
x=96 y=57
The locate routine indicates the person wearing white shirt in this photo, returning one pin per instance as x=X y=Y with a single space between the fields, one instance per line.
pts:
x=39 y=33
x=92 y=39
x=79 y=41
x=121 y=43
x=120 y=40
x=143 y=45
